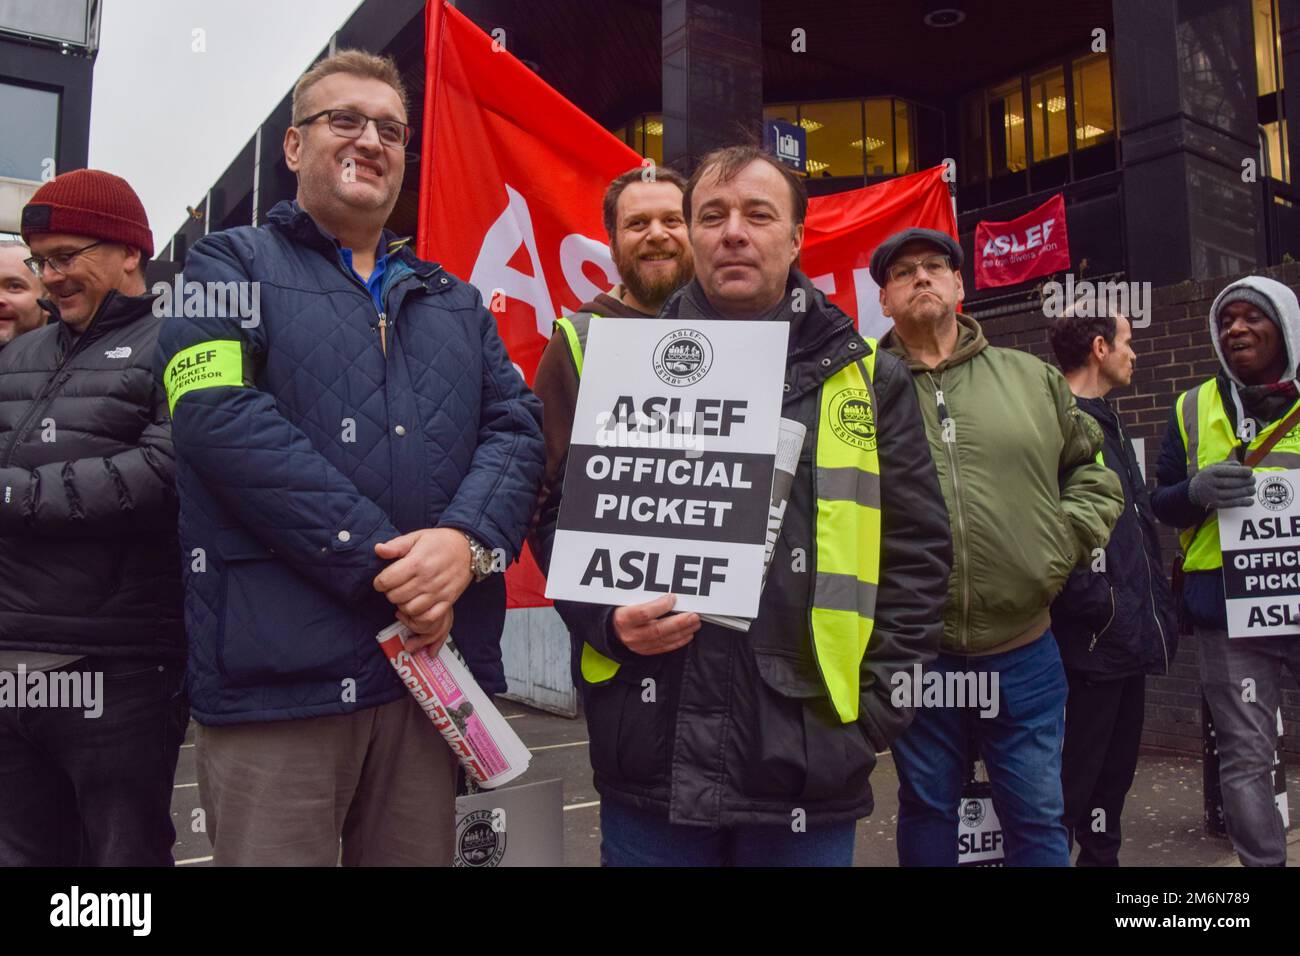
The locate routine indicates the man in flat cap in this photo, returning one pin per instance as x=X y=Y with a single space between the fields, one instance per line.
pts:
x=1027 y=502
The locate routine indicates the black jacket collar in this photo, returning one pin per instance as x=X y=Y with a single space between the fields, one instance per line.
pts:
x=115 y=311
x=822 y=338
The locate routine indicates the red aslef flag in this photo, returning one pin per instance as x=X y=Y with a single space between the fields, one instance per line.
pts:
x=1035 y=244
x=511 y=185
x=511 y=181
x=842 y=231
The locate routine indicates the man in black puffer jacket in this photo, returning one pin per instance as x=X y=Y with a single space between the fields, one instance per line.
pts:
x=92 y=644
x=1114 y=619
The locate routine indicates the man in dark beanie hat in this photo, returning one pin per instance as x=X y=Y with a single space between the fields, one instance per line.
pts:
x=92 y=644
x=1246 y=408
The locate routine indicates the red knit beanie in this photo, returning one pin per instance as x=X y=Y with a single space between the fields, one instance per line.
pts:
x=89 y=202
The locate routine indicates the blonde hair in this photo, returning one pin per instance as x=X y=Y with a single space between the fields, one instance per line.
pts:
x=354 y=63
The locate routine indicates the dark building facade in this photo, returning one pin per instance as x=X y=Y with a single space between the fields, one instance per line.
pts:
x=47 y=57
x=1163 y=124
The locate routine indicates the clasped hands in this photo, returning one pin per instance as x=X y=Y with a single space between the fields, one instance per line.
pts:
x=430 y=571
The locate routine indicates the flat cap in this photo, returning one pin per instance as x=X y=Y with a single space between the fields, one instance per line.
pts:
x=887 y=251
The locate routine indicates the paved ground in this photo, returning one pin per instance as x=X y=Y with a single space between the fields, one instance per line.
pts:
x=1162 y=818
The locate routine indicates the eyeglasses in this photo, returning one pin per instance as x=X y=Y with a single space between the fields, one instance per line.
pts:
x=934 y=266
x=350 y=125
x=59 y=262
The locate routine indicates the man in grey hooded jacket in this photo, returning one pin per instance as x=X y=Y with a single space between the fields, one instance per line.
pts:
x=1255 y=328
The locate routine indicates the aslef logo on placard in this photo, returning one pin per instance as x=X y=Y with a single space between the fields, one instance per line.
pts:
x=478 y=843
x=852 y=419
x=972 y=813
x=1275 y=493
x=683 y=357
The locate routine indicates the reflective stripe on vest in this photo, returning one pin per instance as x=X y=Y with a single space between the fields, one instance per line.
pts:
x=1207 y=435
x=846 y=532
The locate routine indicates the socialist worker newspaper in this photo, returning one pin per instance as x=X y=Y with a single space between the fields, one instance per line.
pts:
x=489 y=750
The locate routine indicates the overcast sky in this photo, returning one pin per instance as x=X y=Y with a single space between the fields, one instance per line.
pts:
x=168 y=118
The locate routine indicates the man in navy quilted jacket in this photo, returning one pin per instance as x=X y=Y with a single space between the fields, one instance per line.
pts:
x=353 y=447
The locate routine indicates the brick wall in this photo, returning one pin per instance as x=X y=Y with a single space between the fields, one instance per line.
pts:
x=1174 y=353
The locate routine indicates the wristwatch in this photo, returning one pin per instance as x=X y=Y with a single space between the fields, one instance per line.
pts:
x=481 y=563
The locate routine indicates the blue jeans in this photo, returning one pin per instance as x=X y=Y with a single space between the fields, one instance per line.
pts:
x=633 y=837
x=1021 y=748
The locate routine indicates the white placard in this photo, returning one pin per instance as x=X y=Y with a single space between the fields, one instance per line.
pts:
x=1261 y=558
x=669 y=474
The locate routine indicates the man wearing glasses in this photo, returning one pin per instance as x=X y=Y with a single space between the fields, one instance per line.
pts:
x=92 y=643
x=1027 y=502
x=356 y=450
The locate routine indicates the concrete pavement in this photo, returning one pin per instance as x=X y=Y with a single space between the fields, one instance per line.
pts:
x=1162 y=818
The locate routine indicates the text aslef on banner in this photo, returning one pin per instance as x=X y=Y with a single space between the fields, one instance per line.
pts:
x=669 y=474
x=1261 y=558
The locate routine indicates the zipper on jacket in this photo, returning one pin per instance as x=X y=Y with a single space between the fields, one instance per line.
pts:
x=963 y=582
x=1109 y=621
x=40 y=403
x=1146 y=558
x=383 y=317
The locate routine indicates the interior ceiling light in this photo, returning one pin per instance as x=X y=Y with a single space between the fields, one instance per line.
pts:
x=816 y=165
x=1012 y=119
x=811 y=125
x=651 y=127
x=944 y=17
x=1054 y=105
x=871 y=143
x=1088 y=132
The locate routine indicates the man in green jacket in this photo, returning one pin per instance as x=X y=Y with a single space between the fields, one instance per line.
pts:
x=1027 y=501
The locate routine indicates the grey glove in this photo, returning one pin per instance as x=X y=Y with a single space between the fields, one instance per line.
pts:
x=1225 y=484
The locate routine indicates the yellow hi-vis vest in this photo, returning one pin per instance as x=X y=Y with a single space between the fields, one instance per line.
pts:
x=1208 y=437
x=846 y=531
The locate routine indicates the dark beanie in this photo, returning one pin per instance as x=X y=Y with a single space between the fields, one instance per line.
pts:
x=89 y=202
x=1252 y=296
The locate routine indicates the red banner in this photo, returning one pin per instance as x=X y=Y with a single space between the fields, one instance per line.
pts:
x=511 y=182
x=1036 y=244
x=843 y=230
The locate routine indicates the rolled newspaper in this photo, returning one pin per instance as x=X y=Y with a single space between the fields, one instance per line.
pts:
x=789 y=444
x=487 y=747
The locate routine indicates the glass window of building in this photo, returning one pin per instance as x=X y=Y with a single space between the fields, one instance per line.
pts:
x=1094 y=107
x=649 y=135
x=903 y=131
x=1275 y=151
x=834 y=137
x=29 y=144
x=1006 y=111
x=1267 y=46
x=879 y=141
x=1048 y=127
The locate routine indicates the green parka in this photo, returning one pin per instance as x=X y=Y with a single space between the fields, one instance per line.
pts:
x=1027 y=500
